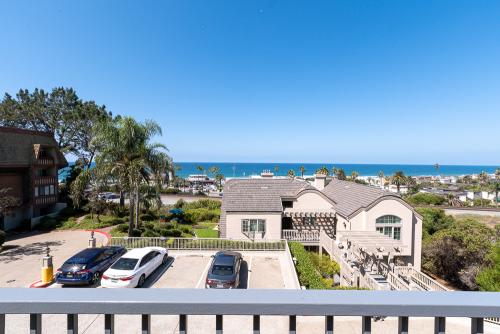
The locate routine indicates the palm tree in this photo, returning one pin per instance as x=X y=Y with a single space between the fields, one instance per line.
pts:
x=497 y=174
x=201 y=169
x=496 y=189
x=276 y=169
x=128 y=155
x=291 y=173
x=340 y=174
x=398 y=179
x=214 y=170
x=483 y=179
x=354 y=175
x=303 y=169
x=219 y=178
x=381 y=178
x=323 y=170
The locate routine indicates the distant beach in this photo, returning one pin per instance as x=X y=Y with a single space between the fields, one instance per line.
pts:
x=248 y=169
x=240 y=169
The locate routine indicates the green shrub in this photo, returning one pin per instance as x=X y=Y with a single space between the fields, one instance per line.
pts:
x=434 y=220
x=203 y=204
x=325 y=265
x=122 y=228
x=148 y=226
x=170 y=191
x=186 y=229
x=150 y=233
x=2 y=238
x=488 y=279
x=174 y=233
x=147 y=217
x=426 y=199
x=201 y=214
x=308 y=275
x=169 y=226
x=136 y=232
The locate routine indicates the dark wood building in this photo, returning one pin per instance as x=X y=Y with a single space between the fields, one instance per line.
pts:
x=29 y=164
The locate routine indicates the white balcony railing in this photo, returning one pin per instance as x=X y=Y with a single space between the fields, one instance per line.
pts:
x=306 y=236
x=254 y=303
x=199 y=244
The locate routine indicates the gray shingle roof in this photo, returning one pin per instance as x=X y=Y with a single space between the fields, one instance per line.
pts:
x=350 y=196
x=259 y=195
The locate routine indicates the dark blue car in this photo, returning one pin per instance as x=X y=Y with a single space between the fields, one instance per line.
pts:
x=87 y=266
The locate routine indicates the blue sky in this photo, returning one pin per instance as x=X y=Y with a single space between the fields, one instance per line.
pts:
x=286 y=81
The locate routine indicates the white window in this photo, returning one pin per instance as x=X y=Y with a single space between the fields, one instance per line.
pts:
x=253 y=225
x=47 y=190
x=36 y=191
x=52 y=191
x=385 y=225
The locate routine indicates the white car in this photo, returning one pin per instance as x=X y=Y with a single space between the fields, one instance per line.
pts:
x=132 y=269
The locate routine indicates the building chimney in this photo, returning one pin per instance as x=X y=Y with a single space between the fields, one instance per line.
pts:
x=319 y=181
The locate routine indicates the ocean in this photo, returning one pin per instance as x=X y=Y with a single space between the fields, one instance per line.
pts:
x=247 y=169
x=240 y=169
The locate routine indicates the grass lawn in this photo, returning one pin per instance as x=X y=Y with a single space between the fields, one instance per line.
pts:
x=206 y=233
x=91 y=224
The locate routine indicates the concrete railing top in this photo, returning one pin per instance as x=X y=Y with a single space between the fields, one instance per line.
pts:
x=249 y=302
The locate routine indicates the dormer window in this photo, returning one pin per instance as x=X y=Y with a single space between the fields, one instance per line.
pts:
x=287 y=204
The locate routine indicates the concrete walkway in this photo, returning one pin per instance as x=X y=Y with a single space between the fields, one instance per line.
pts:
x=21 y=259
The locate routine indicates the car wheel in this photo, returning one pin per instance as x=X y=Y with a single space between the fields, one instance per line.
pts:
x=165 y=259
x=96 y=278
x=142 y=279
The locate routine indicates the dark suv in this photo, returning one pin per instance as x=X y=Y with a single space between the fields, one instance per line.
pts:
x=224 y=272
x=87 y=266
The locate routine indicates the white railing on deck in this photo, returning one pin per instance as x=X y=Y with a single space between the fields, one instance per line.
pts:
x=397 y=283
x=199 y=243
x=301 y=235
x=419 y=278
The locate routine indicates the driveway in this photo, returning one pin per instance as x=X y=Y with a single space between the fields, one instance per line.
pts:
x=21 y=259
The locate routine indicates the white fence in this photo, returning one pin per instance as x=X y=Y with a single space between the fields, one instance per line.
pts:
x=304 y=236
x=199 y=244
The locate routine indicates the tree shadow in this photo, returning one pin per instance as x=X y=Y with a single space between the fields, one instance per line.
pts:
x=13 y=253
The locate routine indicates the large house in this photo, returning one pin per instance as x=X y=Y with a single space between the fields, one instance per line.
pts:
x=360 y=219
x=29 y=163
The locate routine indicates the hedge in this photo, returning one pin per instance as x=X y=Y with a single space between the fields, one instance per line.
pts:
x=308 y=275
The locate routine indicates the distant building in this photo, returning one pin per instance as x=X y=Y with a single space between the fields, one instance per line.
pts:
x=381 y=223
x=29 y=164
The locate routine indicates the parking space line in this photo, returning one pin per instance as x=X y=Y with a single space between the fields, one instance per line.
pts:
x=203 y=275
x=249 y=271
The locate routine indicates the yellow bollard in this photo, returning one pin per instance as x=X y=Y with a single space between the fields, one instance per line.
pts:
x=47 y=267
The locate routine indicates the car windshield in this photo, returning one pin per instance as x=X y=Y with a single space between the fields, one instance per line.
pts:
x=222 y=270
x=68 y=266
x=124 y=264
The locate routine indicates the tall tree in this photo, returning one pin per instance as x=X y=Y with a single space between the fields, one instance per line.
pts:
x=214 y=170
x=62 y=112
x=276 y=169
x=201 y=169
x=340 y=174
x=323 y=170
x=303 y=170
x=483 y=180
x=130 y=158
x=354 y=175
x=291 y=173
x=398 y=179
